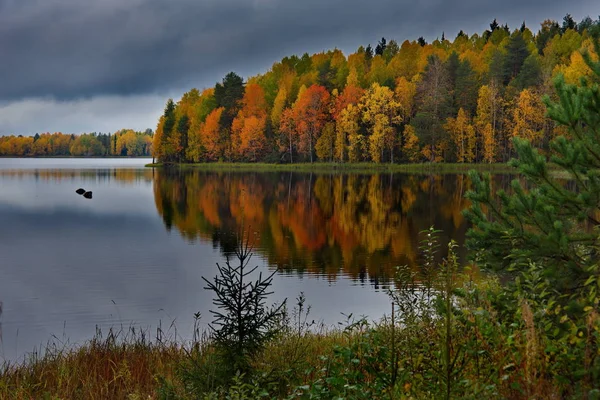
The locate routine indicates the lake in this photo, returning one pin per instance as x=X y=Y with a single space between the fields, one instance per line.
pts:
x=135 y=254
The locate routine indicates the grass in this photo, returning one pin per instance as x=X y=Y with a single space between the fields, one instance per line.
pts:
x=452 y=333
x=425 y=168
x=493 y=359
x=127 y=365
x=122 y=365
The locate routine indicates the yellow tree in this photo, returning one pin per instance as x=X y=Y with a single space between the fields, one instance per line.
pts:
x=411 y=144
x=462 y=133
x=278 y=106
x=378 y=72
x=381 y=113
x=486 y=120
x=577 y=67
x=489 y=143
x=348 y=130
x=528 y=117
x=158 y=150
x=326 y=143
x=405 y=95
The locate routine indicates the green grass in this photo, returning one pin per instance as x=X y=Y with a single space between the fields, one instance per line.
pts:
x=425 y=168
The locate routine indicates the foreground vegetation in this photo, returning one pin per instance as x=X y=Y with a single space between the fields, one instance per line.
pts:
x=449 y=334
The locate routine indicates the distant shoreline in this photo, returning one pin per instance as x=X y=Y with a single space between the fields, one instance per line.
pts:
x=339 y=167
x=67 y=157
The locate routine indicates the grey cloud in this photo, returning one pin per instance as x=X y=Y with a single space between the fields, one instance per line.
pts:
x=63 y=50
x=69 y=49
x=97 y=114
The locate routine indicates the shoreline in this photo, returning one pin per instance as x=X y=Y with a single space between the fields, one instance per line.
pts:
x=69 y=157
x=425 y=168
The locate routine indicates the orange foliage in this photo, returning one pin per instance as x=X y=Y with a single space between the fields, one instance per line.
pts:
x=212 y=134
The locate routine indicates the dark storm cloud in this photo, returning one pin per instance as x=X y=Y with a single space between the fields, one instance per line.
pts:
x=68 y=49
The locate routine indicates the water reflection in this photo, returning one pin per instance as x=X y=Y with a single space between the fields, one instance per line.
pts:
x=123 y=175
x=359 y=226
x=68 y=265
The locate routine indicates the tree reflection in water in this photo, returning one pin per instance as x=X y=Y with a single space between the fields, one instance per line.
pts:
x=360 y=226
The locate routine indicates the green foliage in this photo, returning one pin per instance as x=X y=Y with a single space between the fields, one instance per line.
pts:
x=550 y=221
x=228 y=95
x=545 y=234
x=242 y=322
x=359 y=370
x=530 y=74
x=516 y=54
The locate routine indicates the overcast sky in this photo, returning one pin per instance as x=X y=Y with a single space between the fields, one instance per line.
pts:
x=101 y=65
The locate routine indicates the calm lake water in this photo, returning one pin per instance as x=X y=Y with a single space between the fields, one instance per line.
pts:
x=135 y=254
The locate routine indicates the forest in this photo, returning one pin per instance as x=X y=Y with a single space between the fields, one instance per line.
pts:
x=124 y=142
x=460 y=100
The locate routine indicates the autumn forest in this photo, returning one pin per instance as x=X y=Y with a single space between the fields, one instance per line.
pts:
x=460 y=100
x=124 y=142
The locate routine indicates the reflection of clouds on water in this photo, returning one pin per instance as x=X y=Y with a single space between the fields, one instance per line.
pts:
x=127 y=191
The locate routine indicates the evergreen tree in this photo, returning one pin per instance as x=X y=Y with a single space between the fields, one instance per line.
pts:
x=530 y=75
x=466 y=88
x=452 y=64
x=516 y=53
x=422 y=42
x=368 y=53
x=548 y=31
x=496 y=72
x=228 y=95
x=545 y=220
x=585 y=24
x=568 y=23
x=183 y=126
x=169 y=124
x=380 y=48
x=494 y=25
x=390 y=51
x=243 y=322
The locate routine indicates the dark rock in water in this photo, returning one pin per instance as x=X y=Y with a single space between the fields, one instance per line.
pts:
x=87 y=195
x=80 y=191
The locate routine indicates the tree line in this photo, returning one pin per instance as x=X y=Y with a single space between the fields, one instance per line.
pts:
x=125 y=142
x=446 y=101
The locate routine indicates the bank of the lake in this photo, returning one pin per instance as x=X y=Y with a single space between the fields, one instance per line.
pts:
x=491 y=357
x=422 y=168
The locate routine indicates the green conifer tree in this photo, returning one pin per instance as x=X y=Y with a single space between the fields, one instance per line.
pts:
x=551 y=218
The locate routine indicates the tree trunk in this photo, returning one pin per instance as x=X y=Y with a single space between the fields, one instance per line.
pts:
x=291 y=157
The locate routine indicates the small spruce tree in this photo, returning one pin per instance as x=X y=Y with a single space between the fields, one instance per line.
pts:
x=243 y=322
